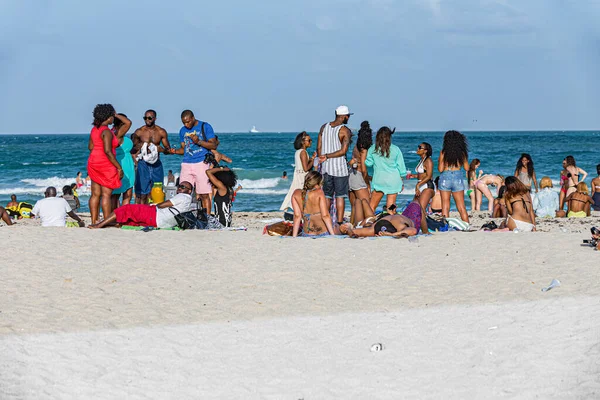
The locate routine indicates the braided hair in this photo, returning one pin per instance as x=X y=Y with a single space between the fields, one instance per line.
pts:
x=312 y=179
x=365 y=136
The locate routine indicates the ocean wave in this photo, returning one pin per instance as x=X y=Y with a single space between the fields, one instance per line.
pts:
x=263 y=183
x=22 y=191
x=50 y=162
x=55 y=181
x=263 y=191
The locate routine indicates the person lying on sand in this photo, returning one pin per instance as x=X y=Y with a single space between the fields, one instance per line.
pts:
x=406 y=224
x=160 y=216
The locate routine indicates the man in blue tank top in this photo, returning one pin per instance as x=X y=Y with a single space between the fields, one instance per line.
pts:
x=334 y=140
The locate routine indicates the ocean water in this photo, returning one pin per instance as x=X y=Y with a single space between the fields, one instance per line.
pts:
x=30 y=163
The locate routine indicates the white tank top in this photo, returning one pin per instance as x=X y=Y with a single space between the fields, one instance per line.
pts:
x=330 y=143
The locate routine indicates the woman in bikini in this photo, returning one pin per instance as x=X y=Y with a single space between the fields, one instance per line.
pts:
x=481 y=189
x=425 y=189
x=409 y=223
x=579 y=203
x=358 y=180
x=564 y=186
x=525 y=172
x=310 y=208
x=596 y=190
x=500 y=204
x=435 y=206
x=574 y=175
x=519 y=206
x=453 y=158
x=473 y=175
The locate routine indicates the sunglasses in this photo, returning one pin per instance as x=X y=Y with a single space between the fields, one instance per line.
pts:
x=148 y=118
x=184 y=187
x=420 y=147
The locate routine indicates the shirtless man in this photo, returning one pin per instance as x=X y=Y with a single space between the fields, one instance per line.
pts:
x=147 y=174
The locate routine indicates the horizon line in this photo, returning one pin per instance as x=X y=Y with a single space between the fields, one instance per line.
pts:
x=399 y=131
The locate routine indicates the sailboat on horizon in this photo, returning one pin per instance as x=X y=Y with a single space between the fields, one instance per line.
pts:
x=253 y=130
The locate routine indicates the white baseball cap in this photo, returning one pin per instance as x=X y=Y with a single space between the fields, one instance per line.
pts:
x=342 y=110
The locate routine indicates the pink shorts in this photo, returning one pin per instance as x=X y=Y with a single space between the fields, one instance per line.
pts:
x=196 y=175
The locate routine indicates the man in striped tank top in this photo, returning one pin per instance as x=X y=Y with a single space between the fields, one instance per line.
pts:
x=334 y=140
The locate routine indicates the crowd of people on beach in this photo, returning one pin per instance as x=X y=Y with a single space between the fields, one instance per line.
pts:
x=327 y=174
x=122 y=169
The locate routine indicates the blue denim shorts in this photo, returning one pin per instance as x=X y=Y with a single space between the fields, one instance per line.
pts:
x=452 y=181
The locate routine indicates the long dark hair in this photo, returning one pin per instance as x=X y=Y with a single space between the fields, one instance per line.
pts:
x=570 y=160
x=227 y=177
x=102 y=112
x=472 y=168
x=514 y=187
x=365 y=136
x=428 y=149
x=455 y=148
x=299 y=139
x=529 y=165
x=383 y=141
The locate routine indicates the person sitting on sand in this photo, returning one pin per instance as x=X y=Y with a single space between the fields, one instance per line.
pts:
x=70 y=197
x=481 y=189
x=435 y=205
x=310 y=208
x=596 y=190
x=579 y=203
x=546 y=201
x=4 y=216
x=519 y=206
x=500 y=204
x=12 y=208
x=53 y=210
x=222 y=180
x=412 y=219
x=160 y=215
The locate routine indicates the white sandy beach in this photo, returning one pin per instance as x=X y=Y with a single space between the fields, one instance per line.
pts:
x=175 y=315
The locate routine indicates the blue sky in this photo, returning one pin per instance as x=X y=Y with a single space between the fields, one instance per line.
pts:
x=286 y=65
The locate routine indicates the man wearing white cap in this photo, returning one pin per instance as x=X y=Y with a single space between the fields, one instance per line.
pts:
x=334 y=140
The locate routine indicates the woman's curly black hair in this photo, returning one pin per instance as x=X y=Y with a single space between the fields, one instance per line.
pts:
x=102 y=112
x=365 y=136
x=529 y=165
x=228 y=178
x=455 y=148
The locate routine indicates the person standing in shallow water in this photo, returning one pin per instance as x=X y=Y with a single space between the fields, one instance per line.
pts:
x=525 y=172
x=332 y=146
x=453 y=158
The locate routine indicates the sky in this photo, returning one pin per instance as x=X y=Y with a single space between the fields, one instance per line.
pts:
x=286 y=65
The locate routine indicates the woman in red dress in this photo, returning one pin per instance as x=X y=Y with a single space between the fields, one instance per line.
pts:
x=103 y=168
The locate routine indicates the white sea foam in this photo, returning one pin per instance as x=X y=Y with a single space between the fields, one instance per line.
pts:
x=50 y=162
x=55 y=181
x=264 y=191
x=263 y=183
